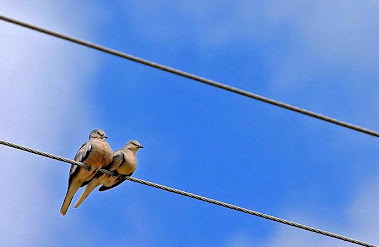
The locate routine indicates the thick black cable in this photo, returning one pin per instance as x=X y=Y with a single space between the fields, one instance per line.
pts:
x=197 y=197
x=192 y=76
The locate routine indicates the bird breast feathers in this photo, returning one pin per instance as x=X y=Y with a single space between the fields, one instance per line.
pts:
x=101 y=153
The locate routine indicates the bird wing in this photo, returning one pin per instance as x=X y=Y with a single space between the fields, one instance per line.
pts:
x=118 y=159
x=81 y=156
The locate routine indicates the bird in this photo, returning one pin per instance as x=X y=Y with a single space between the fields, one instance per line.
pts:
x=96 y=154
x=124 y=164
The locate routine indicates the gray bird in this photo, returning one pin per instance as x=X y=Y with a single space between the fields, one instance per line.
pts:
x=96 y=154
x=124 y=163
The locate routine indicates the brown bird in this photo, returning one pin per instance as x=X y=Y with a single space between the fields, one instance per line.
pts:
x=124 y=163
x=96 y=154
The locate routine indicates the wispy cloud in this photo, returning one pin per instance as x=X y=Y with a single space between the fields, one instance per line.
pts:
x=310 y=50
x=345 y=30
x=361 y=223
x=43 y=84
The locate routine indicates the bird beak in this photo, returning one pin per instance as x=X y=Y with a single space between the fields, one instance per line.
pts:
x=105 y=137
x=140 y=146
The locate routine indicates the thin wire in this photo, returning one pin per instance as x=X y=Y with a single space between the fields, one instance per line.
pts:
x=197 y=197
x=41 y=153
x=193 y=77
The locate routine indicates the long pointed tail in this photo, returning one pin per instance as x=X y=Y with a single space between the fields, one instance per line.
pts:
x=71 y=190
x=90 y=187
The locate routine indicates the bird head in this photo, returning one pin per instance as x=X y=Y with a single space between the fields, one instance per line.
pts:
x=133 y=145
x=96 y=133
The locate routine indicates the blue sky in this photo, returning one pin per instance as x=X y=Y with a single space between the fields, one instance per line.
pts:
x=321 y=55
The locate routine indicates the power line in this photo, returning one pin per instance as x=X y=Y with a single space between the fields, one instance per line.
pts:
x=192 y=76
x=41 y=153
x=197 y=197
x=211 y=83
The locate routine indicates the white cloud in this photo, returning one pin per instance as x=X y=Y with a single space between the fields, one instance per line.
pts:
x=332 y=29
x=320 y=53
x=362 y=224
x=42 y=86
x=240 y=239
x=324 y=37
x=364 y=212
x=329 y=63
x=343 y=29
x=361 y=218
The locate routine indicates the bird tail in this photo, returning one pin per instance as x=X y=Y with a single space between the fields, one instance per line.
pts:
x=90 y=187
x=71 y=190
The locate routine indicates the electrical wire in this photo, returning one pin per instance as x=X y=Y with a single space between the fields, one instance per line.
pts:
x=197 y=197
x=192 y=77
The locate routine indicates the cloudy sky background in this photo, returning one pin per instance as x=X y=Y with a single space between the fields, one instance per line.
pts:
x=321 y=55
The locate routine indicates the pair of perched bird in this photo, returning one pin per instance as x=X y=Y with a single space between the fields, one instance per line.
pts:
x=96 y=154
